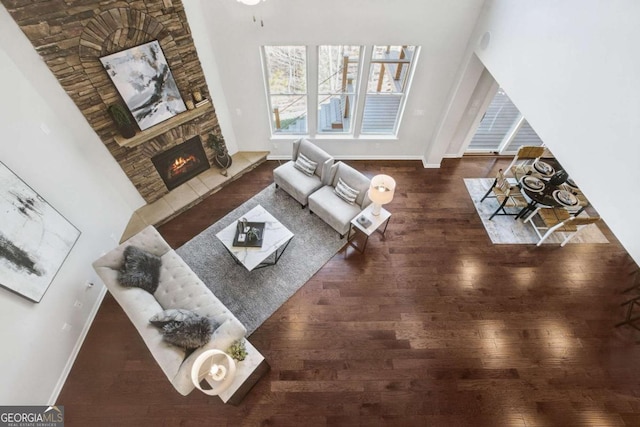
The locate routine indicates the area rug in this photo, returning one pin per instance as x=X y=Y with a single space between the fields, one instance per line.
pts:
x=254 y=296
x=507 y=230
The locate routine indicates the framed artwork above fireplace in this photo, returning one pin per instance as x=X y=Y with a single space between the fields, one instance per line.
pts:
x=143 y=78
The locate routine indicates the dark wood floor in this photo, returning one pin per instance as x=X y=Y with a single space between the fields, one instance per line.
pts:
x=434 y=325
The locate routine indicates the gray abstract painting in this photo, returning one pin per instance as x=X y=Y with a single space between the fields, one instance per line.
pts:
x=143 y=79
x=34 y=238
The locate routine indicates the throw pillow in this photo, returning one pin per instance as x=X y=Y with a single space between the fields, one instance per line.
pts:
x=346 y=193
x=191 y=333
x=140 y=269
x=306 y=165
x=172 y=315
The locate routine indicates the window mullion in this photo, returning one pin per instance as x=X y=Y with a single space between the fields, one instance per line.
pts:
x=312 y=90
x=361 y=91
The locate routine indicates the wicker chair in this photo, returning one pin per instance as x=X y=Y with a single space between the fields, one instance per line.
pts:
x=522 y=163
x=509 y=196
x=558 y=220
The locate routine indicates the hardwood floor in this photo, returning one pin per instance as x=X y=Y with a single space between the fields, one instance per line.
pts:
x=433 y=325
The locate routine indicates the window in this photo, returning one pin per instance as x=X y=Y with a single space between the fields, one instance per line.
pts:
x=502 y=129
x=338 y=69
x=332 y=106
x=286 y=69
x=386 y=88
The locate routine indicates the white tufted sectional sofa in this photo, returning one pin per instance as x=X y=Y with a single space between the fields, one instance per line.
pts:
x=179 y=288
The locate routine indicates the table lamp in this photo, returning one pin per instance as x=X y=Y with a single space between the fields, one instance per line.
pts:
x=217 y=368
x=381 y=192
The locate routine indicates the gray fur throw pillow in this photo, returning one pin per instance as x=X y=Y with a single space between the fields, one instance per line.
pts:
x=193 y=332
x=140 y=269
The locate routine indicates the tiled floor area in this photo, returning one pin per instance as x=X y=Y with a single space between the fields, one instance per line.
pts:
x=191 y=192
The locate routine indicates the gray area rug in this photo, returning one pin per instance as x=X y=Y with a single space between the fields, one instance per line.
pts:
x=254 y=296
x=505 y=229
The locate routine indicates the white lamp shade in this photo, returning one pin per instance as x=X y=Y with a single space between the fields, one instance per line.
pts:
x=217 y=368
x=382 y=189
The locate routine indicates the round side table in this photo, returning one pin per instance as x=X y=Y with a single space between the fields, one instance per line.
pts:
x=217 y=368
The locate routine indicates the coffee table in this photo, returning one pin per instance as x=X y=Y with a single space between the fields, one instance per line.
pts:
x=275 y=239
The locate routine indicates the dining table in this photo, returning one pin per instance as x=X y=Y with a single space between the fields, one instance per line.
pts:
x=548 y=185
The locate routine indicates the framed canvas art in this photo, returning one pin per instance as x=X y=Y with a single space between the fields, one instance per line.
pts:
x=34 y=238
x=143 y=79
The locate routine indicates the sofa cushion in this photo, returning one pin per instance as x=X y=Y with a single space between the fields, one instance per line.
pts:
x=332 y=209
x=192 y=332
x=181 y=288
x=354 y=179
x=313 y=153
x=346 y=193
x=140 y=269
x=305 y=165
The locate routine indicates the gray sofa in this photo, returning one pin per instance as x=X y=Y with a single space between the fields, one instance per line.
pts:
x=296 y=183
x=334 y=210
x=179 y=287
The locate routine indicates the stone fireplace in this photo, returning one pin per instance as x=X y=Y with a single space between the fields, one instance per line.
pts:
x=71 y=36
x=179 y=164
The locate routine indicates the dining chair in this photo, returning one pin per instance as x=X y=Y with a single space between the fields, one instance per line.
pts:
x=522 y=163
x=508 y=195
x=547 y=221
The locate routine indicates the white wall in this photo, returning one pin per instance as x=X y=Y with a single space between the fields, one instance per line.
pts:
x=440 y=27
x=47 y=142
x=571 y=67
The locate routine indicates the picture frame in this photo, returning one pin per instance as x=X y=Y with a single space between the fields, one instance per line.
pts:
x=35 y=239
x=144 y=80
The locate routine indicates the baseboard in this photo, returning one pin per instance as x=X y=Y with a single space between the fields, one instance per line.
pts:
x=76 y=348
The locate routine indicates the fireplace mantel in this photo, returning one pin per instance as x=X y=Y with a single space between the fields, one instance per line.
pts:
x=166 y=126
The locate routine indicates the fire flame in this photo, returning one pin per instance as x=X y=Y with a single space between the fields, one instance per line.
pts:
x=181 y=165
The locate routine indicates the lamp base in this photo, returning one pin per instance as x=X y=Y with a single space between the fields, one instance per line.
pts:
x=376 y=209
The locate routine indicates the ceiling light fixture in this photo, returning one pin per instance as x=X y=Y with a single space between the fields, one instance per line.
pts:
x=250 y=2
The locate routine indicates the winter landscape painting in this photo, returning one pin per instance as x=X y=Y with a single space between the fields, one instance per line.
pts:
x=34 y=238
x=143 y=79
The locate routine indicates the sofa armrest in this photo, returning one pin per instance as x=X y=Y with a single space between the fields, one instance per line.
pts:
x=148 y=239
x=230 y=331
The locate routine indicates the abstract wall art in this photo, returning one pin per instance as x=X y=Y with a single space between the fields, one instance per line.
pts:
x=34 y=238
x=145 y=83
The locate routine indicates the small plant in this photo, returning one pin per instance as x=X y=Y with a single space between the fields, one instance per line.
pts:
x=222 y=157
x=122 y=119
x=216 y=142
x=238 y=350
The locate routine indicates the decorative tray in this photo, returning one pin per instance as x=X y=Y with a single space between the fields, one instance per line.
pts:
x=363 y=221
x=249 y=234
x=565 y=198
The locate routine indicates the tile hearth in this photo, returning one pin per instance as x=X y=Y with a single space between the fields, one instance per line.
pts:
x=190 y=193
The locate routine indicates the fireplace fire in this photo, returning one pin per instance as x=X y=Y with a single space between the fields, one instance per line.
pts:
x=179 y=164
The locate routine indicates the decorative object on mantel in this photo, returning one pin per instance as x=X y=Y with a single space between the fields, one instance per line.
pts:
x=222 y=157
x=166 y=126
x=121 y=117
x=238 y=350
x=143 y=78
x=34 y=238
x=197 y=96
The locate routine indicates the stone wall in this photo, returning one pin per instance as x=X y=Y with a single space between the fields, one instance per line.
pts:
x=72 y=35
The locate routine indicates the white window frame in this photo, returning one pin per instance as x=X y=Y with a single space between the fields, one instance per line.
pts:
x=312 y=94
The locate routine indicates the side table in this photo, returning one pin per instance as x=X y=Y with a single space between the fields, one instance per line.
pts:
x=359 y=229
x=247 y=374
